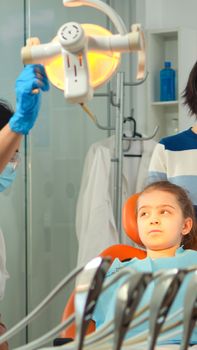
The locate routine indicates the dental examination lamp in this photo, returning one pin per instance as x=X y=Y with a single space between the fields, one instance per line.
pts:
x=83 y=57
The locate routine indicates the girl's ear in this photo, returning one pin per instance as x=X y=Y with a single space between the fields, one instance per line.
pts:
x=187 y=226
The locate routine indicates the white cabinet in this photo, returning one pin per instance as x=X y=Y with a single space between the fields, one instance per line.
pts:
x=180 y=47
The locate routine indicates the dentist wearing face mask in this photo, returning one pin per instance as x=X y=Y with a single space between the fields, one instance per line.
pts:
x=13 y=125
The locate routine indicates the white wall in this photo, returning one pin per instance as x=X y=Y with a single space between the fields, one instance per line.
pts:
x=168 y=13
x=180 y=13
x=161 y=14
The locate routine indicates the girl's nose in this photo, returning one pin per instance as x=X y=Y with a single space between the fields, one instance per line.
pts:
x=154 y=221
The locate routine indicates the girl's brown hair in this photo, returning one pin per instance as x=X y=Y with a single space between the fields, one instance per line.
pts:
x=190 y=93
x=189 y=241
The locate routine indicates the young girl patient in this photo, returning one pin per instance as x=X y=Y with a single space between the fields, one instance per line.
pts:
x=167 y=229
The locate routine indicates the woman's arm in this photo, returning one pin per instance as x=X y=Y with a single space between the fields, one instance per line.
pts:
x=9 y=143
x=28 y=88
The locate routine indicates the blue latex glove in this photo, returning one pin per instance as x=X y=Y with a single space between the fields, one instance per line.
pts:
x=27 y=100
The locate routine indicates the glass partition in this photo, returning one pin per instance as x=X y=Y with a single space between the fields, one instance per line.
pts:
x=12 y=201
x=38 y=212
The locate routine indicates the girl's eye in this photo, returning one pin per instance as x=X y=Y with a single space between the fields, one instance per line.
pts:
x=164 y=211
x=143 y=213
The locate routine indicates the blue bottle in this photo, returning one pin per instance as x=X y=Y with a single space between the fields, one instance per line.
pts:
x=167 y=83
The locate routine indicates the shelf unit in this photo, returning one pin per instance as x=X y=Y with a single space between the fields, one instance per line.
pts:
x=178 y=45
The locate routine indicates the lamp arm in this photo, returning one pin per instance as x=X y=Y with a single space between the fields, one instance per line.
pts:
x=42 y=53
x=106 y=9
x=113 y=43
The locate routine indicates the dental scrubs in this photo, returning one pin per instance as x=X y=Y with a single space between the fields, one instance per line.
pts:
x=105 y=307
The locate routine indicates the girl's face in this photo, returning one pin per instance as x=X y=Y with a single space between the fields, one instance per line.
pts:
x=160 y=220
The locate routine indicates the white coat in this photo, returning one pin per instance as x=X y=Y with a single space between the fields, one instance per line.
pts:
x=95 y=222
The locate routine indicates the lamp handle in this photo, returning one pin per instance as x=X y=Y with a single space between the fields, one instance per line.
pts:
x=41 y=53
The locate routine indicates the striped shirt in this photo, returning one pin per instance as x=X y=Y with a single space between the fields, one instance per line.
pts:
x=175 y=159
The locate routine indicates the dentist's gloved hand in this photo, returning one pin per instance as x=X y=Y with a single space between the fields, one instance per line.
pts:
x=28 y=100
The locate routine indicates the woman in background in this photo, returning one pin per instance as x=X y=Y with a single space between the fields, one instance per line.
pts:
x=174 y=157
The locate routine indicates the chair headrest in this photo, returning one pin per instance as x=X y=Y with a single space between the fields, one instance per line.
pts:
x=129 y=218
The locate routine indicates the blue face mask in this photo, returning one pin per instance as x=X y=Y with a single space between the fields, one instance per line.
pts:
x=7 y=176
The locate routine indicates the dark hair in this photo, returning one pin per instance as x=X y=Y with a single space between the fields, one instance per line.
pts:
x=189 y=241
x=190 y=93
x=6 y=112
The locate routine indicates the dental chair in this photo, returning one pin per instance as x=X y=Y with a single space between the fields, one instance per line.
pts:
x=121 y=251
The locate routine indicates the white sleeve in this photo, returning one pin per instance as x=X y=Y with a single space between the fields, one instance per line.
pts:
x=158 y=164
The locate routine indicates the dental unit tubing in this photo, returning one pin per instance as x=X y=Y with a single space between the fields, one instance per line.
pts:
x=42 y=53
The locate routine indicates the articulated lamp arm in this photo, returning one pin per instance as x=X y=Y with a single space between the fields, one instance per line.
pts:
x=103 y=7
